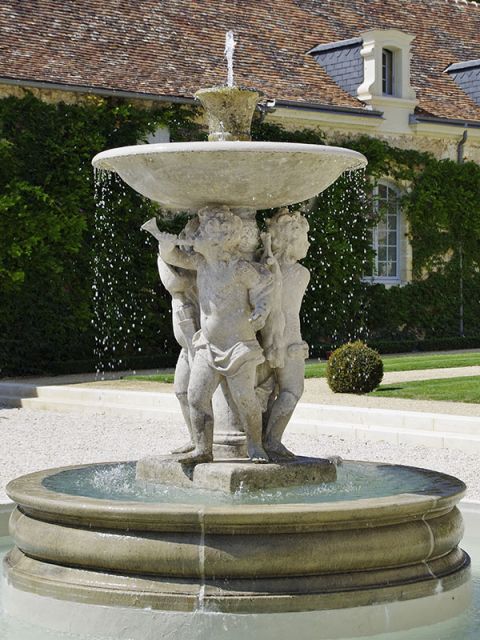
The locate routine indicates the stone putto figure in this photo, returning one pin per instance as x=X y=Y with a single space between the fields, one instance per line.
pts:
x=234 y=300
x=236 y=317
x=289 y=243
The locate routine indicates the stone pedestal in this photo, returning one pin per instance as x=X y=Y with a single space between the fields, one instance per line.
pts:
x=229 y=439
x=236 y=475
x=229 y=111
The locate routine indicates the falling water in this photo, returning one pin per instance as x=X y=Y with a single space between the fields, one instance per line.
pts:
x=336 y=312
x=117 y=315
x=229 y=48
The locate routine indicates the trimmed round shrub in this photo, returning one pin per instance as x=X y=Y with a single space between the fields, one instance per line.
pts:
x=354 y=368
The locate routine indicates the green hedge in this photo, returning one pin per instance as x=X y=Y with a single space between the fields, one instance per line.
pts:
x=51 y=255
x=56 y=247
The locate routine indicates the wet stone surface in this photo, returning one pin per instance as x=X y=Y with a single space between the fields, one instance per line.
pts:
x=236 y=475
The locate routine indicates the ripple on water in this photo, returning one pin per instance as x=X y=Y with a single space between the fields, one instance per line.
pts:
x=355 y=480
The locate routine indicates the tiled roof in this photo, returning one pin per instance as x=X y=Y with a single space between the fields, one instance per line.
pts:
x=467 y=76
x=173 y=47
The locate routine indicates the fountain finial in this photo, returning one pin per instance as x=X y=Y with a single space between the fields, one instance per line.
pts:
x=229 y=109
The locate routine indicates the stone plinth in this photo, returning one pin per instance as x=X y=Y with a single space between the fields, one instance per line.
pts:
x=236 y=475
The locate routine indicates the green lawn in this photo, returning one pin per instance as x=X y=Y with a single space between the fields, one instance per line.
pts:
x=451 y=389
x=160 y=377
x=390 y=363
x=410 y=363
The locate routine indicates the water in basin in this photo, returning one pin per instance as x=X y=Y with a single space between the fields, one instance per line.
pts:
x=355 y=481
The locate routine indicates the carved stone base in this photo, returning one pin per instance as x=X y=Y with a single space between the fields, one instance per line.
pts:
x=229 y=444
x=236 y=475
x=448 y=576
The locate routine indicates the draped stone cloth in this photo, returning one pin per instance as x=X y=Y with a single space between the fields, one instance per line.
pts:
x=228 y=362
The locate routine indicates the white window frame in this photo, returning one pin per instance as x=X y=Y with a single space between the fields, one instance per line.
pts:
x=388 y=72
x=160 y=135
x=374 y=278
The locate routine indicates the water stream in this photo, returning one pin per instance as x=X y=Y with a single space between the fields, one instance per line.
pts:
x=118 y=316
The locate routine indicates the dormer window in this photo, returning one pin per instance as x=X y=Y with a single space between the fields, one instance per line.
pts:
x=388 y=72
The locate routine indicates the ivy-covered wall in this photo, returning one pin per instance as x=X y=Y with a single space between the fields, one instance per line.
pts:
x=74 y=282
x=48 y=246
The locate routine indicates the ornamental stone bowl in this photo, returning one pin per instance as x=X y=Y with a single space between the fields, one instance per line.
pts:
x=240 y=174
x=238 y=557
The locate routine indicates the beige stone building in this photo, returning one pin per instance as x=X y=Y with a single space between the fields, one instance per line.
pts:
x=406 y=72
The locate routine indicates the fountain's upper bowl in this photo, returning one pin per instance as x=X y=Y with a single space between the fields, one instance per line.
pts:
x=257 y=175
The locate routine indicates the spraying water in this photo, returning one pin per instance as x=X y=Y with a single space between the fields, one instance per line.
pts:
x=229 y=48
x=118 y=315
x=335 y=310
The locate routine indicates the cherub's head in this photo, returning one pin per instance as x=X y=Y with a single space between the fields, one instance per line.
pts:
x=188 y=234
x=289 y=232
x=189 y=229
x=249 y=238
x=219 y=231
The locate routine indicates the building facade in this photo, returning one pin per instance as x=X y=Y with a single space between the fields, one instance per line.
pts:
x=404 y=72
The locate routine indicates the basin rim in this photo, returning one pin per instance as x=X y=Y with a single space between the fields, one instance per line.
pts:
x=35 y=499
x=226 y=146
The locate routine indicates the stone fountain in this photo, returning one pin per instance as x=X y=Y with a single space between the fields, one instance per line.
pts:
x=239 y=524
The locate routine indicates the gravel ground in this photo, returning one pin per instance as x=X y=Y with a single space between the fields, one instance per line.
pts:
x=33 y=440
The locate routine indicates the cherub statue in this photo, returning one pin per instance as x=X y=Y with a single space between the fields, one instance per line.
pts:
x=289 y=243
x=234 y=299
x=182 y=286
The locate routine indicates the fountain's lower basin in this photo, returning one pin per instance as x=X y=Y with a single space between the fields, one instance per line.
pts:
x=238 y=557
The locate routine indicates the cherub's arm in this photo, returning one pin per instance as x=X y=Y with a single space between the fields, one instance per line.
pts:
x=260 y=293
x=273 y=330
x=171 y=254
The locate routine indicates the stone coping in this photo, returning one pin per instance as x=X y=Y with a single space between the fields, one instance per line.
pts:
x=466 y=506
x=36 y=500
x=238 y=145
x=14 y=393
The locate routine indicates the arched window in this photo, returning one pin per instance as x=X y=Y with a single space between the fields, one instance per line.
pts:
x=386 y=237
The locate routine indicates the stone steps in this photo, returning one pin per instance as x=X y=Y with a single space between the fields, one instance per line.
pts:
x=394 y=435
x=360 y=423
x=72 y=398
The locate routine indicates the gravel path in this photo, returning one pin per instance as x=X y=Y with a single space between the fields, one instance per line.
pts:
x=32 y=440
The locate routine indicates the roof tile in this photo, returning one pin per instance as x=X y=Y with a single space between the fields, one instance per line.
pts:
x=175 y=47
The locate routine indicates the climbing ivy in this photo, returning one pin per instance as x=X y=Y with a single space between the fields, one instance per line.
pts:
x=49 y=246
x=47 y=212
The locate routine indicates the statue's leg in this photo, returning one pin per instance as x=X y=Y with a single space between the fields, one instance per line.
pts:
x=182 y=377
x=203 y=382
x=291 y=382
x=242 y=389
